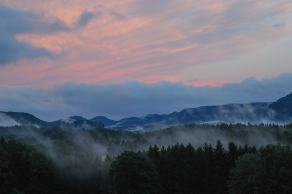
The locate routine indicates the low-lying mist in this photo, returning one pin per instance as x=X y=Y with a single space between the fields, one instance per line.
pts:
x=85 y=152
x=197 y=135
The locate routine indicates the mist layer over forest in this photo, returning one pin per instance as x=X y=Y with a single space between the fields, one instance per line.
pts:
x=172 y=160
x=72 y=148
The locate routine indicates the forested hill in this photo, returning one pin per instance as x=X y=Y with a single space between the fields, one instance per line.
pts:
x=279 y=112
x=283 y=108
x=177 y=160
x=177 y=169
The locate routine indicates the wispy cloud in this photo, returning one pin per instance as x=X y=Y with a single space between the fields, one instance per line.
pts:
x=143 y=40
x=14 y=22
x=86 y=17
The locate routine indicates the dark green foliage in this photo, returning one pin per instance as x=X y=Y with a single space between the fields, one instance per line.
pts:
x=81 y=165
x=23 y=169
x=268 y=171
x=133 y=173
x=5 y=173
x=177 y=169
x=184 y=169
x=244 y=177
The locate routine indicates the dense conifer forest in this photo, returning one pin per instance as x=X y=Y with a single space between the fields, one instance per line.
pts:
x=140 y=167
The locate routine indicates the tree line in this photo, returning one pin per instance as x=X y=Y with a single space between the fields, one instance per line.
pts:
x=176 y=169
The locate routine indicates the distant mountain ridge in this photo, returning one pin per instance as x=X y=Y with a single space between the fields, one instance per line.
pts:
x=263 y=112
x=11 y=119
x=102 y=119
x=254 y=113
x=231 y=113
x=283 y=108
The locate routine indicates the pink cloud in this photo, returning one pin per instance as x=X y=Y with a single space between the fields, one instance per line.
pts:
x=121 y=45
x=209 y=83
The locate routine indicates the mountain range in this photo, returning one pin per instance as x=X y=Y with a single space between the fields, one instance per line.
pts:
x=279 y=112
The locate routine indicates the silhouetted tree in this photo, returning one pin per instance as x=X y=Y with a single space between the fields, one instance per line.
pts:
x=133 y=173
x=268 y=171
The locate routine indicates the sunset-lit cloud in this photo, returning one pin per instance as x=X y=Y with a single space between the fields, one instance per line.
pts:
x=195 y=43
x=133 y=57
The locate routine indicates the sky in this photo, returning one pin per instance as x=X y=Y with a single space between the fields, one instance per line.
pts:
x=132 y=57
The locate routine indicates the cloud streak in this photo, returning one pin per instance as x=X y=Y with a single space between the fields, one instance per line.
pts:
x=14 y=22
x=146 y=40
x=87 y=17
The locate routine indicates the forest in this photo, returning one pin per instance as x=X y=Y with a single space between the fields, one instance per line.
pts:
x=147 y=163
